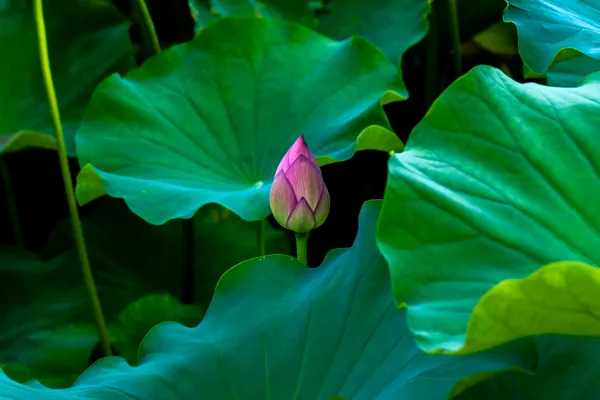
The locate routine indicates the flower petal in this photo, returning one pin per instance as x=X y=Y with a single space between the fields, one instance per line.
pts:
x=302 y=218
x=284 y=164
x=322 y=210
x=306 y=179
x=282 y=198
x=298 y=148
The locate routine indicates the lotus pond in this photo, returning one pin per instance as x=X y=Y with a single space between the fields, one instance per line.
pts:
x=294 y=199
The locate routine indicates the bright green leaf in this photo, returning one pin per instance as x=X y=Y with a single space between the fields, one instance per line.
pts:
x=25 y=139
x=87 y=40
x=46 y=323
x=277 y=329
x=208 y=121
x=560 y=298
x=550 y=29
x=497 y=180
x=89 y=185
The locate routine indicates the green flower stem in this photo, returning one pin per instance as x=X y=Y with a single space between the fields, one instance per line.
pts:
x=66 y=173
x=301 y=247
x=431 y=68
x=11 y=203
x=150 y=31
x=260 y=237
x=453 y=12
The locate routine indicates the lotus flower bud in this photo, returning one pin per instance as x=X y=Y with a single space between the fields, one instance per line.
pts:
x=299 y=197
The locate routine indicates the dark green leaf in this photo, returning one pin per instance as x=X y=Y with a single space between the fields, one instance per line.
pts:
x=392 y=25
x=87 y=40
x=570 y=72
x=277 y=329
x=139 y=317
x=46 y=322
x=568 y=369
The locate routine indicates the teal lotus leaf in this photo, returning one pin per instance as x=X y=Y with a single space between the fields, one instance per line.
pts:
x=498 y=180
x=87 y=41
x=208 y=121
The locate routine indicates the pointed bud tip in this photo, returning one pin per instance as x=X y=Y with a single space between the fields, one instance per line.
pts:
x=299 y=148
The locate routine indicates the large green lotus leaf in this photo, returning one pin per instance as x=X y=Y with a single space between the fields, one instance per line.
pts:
x=550 y=29
x=496 y=182
x=392 y=25
x=209 y=121
x=87 y=41
x=277 y=329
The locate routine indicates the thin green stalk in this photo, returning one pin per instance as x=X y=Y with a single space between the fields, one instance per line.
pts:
x=455 y=28
x=301 y=247
x=260 y=237
x=64 y=166
x=11 y=203
x=150 y=32
x=431 y=68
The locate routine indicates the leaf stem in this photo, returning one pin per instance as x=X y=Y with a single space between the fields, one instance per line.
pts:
x=260 y=237
x=11 y=203
x=150 y=31
x=66 y=173
x=455 y=28
x=431 y=68
x=301 y=247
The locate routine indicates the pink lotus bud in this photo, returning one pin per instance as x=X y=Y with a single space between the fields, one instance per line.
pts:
x=299 y=197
